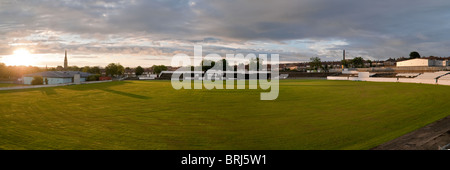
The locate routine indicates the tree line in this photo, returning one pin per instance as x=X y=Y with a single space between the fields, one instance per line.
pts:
x=14 y=72
x=117 y=70
x=357 y=62
x=112 y=69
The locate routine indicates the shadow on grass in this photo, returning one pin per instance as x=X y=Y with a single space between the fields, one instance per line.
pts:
x=48 y=91
x=84 y=87
x=106 y=87
x=125 y=94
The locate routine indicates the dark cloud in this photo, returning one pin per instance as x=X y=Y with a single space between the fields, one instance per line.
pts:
x=376 y=29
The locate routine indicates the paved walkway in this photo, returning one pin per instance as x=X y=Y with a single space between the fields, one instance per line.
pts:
x=52 y=85
x=431 y=137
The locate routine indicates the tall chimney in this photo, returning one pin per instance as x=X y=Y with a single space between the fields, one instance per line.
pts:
x=65 y=60
x=344 y=54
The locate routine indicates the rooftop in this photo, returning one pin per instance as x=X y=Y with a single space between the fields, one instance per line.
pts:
x=58 y=74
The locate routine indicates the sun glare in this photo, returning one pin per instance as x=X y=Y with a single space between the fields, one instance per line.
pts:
x=20 y=57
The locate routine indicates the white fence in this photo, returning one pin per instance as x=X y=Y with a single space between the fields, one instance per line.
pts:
x=400 y=80
x=444 y=82
x=363 y=79
x=440 y=77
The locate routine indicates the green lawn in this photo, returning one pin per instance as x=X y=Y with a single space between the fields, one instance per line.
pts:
x=10 y=85
x=308 y=114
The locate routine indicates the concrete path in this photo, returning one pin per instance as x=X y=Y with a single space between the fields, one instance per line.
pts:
x=52 y=85
x=431 y=137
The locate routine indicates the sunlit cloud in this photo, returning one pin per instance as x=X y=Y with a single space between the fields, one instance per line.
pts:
x=99 y=32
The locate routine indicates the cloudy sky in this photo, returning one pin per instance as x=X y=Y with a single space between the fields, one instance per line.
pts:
x=148 y=32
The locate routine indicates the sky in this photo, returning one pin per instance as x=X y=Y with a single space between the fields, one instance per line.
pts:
x=151 y=32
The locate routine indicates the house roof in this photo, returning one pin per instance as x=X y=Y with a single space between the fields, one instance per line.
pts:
x=59 y=74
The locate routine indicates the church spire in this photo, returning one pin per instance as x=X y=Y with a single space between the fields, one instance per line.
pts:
x=65 y=61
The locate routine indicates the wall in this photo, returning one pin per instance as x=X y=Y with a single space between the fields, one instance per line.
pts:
x=380 y=79
x=411 y=69
x=59 y=80
x=423 y=81
x=444 y=82
x=414 y=62
x=363 y=74
x=347 y=71
x=375 y=79
x=423 y=62
x=400 y=80
x=77 y=79
x=336 y=78
x=438 y=63
x=27 y=80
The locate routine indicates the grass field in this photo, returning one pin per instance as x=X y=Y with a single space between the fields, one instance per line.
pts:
x=308 y=114
x=10 y=85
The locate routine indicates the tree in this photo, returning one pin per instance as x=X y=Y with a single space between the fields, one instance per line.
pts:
x=114 y=70
x=414 y=54
x=92 y=70
x=59 y=68
x=345 y=63
x=120 y=69
x=94 y=77
x=73 y=68
x=158 y=68
x=206 y=67
x=3 y=71
x=95 y=70
x=358 y=62
x=139 y=70
x=315 y=63
x=46 y=81
x=14 y=72
x=111 y=69
x=37 y=80
x=86 y=69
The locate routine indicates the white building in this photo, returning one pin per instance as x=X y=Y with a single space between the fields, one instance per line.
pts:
x=58 y=77
x=423 y=62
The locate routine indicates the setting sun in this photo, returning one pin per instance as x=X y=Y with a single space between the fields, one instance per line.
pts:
x=20 y=57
